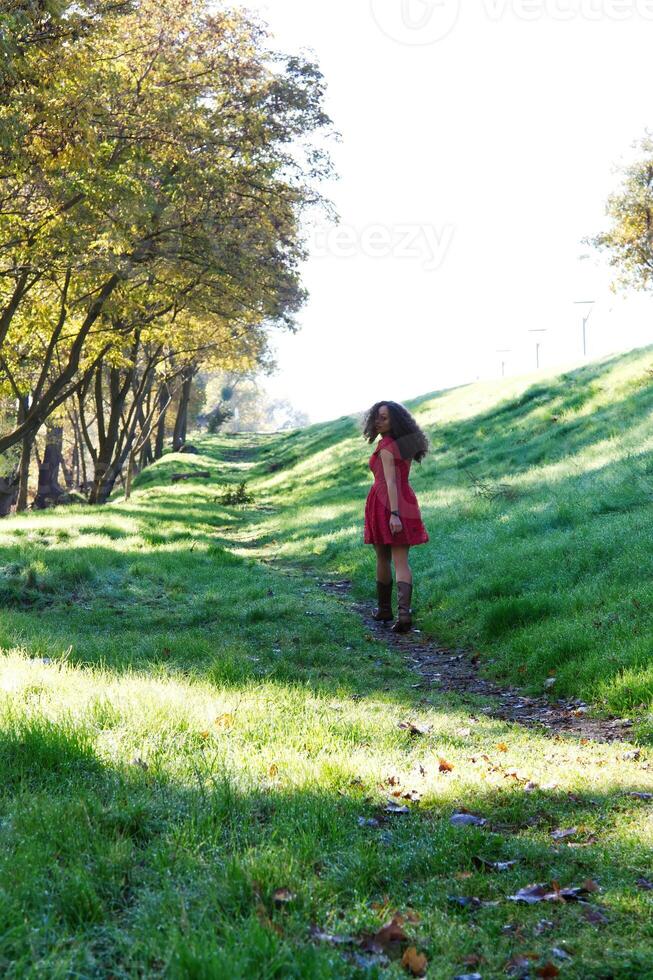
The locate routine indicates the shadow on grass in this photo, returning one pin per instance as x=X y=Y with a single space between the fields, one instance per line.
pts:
x=134 y=867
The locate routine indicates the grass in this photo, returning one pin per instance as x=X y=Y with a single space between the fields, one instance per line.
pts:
x=189 y=724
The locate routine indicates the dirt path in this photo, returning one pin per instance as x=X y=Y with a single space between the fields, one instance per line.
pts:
x=458 y=670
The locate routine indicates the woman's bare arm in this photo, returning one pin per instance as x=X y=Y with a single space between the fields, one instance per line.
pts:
x=388 y=462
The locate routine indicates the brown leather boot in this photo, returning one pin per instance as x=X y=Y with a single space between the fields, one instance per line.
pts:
x=404 y=615
x=383 y=612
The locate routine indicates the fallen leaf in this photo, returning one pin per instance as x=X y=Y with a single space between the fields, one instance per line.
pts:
x=273 y=770
x=485 y=865
x=414 y=728
x=548 y=970
x=282 y=896
x=553 y=892
x=562 y=834
x=444 y=766
x=387 y=936
x=519 y=964
x=368 y=822
x=464 y=819
x=590 y=886
x=467 y=901
x=224 y=721
x=560 y=954
x=322 y=936
x=393 y=807
x=367 y=960
x=544 y=925
x=594 y=915
x=413 y=795
x=502 y=747
x=416 y=963
x=473 y=959
x=471 y=901
x=531 y=894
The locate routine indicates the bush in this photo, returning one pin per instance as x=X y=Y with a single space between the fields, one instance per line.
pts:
x=238 y=496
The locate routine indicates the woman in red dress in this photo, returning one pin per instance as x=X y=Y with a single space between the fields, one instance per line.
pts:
x=392 y=516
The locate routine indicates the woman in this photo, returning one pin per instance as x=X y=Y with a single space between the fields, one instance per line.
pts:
x=392 y=517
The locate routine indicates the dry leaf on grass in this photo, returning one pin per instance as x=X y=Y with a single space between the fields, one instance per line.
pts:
x=282 y=896
x=553 y=892
x=416 y=963
x=562 y=834
x=387 y=937
x=548 y=970
x=520 y=964
x=464 y=819
x=414 y=728
x=368 y=822
x=485 y=865
x=594 y=915
x=224 y=721
x=322 y=936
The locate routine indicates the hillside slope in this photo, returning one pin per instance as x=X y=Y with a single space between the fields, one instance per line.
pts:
x=538 y=498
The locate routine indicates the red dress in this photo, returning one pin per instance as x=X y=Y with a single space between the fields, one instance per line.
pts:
x=377 y=506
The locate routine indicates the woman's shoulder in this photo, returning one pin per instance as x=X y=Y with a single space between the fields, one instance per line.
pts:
x=389 y=443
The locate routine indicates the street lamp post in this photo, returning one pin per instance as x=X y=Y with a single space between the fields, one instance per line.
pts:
x=503 y=350
x=585 y=302
x=537 y=344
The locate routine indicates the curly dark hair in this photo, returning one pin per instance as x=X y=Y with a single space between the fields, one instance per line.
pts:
x=411 y=440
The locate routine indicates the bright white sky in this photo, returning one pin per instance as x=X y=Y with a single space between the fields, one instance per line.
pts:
x=478 y=150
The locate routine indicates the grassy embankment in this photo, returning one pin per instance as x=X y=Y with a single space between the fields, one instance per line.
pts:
x=185 y=730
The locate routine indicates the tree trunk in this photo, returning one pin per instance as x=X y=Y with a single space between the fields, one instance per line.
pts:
x=181 y=422
x=8 y=487
x=68 y=473
x=164 y=398
x=105 y=469
x=147 y=456
x=48 y=489
x=25 y=457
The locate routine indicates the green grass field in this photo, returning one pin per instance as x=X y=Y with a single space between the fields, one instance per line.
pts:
x=199 y=745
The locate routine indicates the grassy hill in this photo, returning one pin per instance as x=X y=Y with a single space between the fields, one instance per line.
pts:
x=198 y=745
x=538 y=498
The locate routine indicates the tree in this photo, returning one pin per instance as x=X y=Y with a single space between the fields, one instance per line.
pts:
x=153 y=169
x=629 y=239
